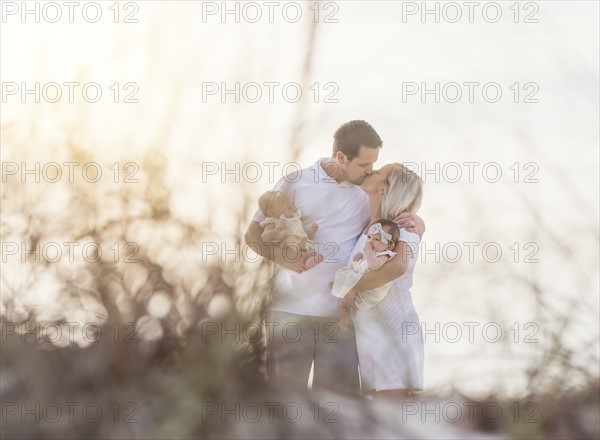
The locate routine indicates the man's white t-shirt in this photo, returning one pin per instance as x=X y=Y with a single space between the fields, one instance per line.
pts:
x=342 y=212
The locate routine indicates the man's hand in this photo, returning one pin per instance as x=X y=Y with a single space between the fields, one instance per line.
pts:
x=287 y=256
x=411 y=222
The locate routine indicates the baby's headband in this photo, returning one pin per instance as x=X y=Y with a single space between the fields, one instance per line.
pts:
x=378 y=229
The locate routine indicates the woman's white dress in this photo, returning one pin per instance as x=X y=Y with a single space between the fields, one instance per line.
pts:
x=388 y=336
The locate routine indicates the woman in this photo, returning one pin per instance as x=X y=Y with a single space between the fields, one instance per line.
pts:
x=388 y=337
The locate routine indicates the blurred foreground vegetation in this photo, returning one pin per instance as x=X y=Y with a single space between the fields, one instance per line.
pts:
x=155 y=358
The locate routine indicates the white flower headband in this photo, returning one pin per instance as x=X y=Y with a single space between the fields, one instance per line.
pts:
x=378 y=229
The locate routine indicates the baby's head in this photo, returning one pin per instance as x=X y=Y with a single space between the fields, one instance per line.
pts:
x=275 y=203
x=383 y=234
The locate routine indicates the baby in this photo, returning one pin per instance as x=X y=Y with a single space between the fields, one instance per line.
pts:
x=284 y=226
x=381 y=239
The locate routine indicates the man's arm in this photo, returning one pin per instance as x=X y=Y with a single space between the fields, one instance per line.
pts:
x=290 y=260
x=393 y=269
x=271 y=232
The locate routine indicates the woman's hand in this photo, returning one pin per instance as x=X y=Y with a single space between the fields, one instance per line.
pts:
x=411 y=222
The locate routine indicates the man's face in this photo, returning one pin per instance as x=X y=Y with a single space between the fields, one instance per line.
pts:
x=357 y=169
x=376 y=181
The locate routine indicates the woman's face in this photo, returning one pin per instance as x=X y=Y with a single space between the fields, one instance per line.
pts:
x=376 y=181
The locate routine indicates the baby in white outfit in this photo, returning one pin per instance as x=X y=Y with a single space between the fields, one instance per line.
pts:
x=381 y=239
x=283 y=225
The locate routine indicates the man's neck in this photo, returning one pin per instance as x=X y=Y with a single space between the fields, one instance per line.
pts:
x=333 y=170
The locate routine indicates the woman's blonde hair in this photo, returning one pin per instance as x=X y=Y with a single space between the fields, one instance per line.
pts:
x=403 y=192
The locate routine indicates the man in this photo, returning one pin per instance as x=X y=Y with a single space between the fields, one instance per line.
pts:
x=303 y=314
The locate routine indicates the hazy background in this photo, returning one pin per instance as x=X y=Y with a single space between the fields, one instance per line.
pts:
x=175 y=208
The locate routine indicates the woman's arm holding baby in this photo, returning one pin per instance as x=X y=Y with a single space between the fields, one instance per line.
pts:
x=395 y=268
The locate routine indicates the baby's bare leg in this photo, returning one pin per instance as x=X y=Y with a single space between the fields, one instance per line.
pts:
x=312 y=231
x=344 y=316
x=313 y=260
x=293 y=247
x=303 y=244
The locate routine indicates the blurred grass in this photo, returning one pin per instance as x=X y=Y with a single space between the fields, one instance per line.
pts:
x=173 y=357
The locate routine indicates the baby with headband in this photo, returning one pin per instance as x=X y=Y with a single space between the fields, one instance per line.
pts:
x=284 y=226
x=382 y=236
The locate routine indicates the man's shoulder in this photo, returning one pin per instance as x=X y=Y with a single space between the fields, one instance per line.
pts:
x=305 y=175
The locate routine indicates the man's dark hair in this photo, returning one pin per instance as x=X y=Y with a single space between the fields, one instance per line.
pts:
x=352 y=135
